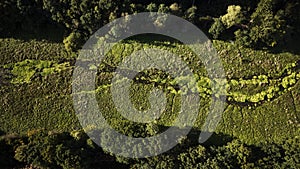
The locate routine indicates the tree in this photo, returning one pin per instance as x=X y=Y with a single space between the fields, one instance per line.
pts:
x=73 y=41
x=82 y=18
x=217 y=28
x=234 y=16
x=267 y=26
x=191 y=14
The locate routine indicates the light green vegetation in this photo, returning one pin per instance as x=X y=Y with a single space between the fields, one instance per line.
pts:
x=24 y=71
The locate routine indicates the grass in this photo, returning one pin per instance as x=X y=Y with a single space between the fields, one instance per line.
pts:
x=12 y=51
x=41 y=95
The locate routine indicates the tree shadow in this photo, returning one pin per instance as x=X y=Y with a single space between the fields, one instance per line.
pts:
x=190 y=140
x=292 y=45
x=47 y=30
x=2 y=133
x=152 y=39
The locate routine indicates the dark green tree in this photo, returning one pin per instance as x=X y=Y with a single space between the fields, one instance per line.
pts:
x=217 y=28
x=266 y=27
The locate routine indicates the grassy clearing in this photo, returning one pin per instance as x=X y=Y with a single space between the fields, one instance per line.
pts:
x=12 y=51
x=245 y=63
x=252 y=115
x=43 y=103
